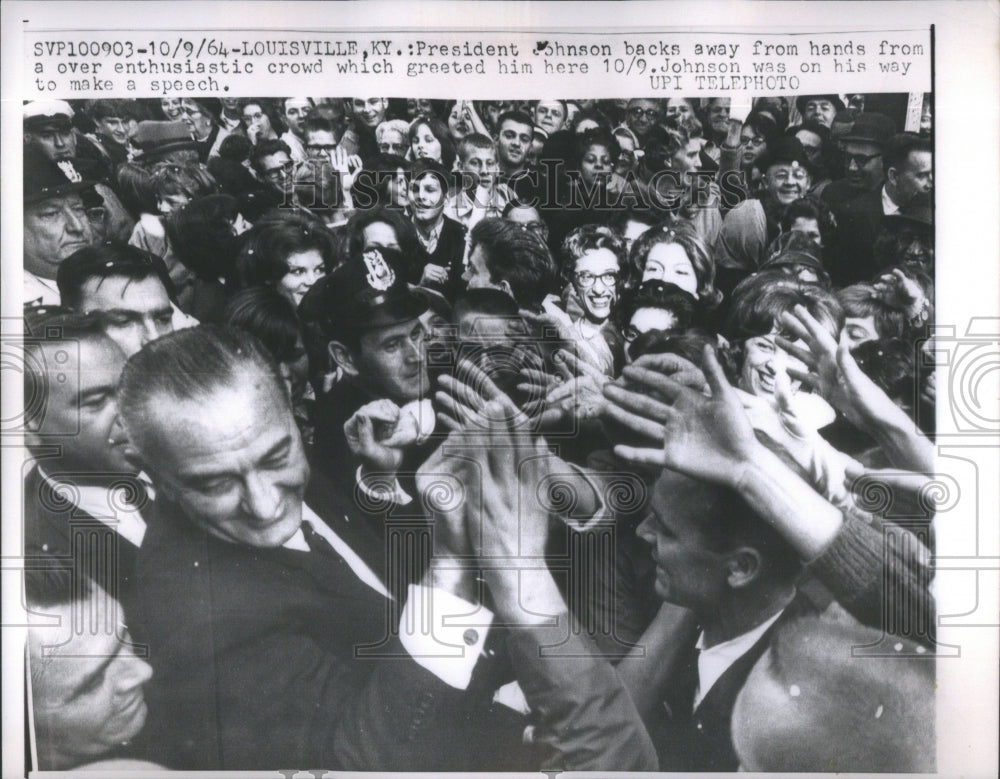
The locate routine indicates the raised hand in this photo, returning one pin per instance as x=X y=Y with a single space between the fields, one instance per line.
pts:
x=347 y=165
x=465 y=397
x=900 y=291
x=833 y=372
x=377 y=433
x=709 y=438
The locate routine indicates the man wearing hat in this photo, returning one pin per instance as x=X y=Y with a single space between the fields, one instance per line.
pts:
x=376 y=418
x=164 y=142
x=752 y=225
x=48 y=129
x=57 y=221
x=819 y=108
x=859 y=201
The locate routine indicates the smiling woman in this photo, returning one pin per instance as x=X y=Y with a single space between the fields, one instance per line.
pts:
x=288 y=252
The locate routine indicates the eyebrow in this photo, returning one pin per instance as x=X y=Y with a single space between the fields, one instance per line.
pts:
x=133 y=313
x=202 y=477
x=96 y=392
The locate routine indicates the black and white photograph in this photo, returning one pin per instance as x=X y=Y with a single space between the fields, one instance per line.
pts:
x=593 y=400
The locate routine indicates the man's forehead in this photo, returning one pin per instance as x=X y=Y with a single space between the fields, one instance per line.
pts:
x=80 y=358
x=71 y=199
x=860 y=147
x=516 y=126
x=319 y=136
x=121 y=291
x=380 y=334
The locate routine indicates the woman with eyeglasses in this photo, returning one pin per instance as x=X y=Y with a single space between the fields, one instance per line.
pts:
x=747 y=144
x=591 y=265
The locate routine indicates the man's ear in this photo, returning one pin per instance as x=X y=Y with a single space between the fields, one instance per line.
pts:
x=342 y=357
x=506 y=288
x=744 y=566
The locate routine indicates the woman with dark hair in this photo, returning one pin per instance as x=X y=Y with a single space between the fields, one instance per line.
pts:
x=382 y=181
x=384 y=228
x=765 y=368
x=288 y=252
x=271 y=317
x=589 y=191
x=741 y=151
x=205 y=235
x=441 y=246
x=429 y=139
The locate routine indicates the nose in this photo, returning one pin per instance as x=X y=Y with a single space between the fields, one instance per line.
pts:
x=149 y=330
x=261 y=497
x=645 y=530
x=134 y=673
x=852 y=164
x=75 y=223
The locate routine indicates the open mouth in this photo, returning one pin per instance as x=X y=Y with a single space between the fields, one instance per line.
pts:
x=766 y=382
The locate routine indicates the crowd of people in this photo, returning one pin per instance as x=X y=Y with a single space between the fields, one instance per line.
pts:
x=398 y=434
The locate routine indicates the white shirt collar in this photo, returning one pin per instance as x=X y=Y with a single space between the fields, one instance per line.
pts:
x=39 y=291
x=361 y=570
x=111 y=506
x=888 y=204
x=715 y=661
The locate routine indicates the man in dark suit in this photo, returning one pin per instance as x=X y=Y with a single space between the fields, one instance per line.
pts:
x=83 y=502
x=738 y=576
x=269 y=636
x=732 y=525
x=859 y=200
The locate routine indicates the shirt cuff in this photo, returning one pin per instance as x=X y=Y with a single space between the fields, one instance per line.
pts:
x=444 y=633
x=376 y=487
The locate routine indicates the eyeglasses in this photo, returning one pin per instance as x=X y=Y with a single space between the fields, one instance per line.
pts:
x=393 y=148
x=538 y=228
x=321 y=148
x=281 y=171
x=795 y=174
x=649 y=113
x=586 y=279
x=859 y=159
x=757 y=140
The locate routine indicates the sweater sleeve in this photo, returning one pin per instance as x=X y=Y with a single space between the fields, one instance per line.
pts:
x=880 y=573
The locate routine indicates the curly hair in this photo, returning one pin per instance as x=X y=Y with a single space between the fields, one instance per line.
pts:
x=583 y=240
